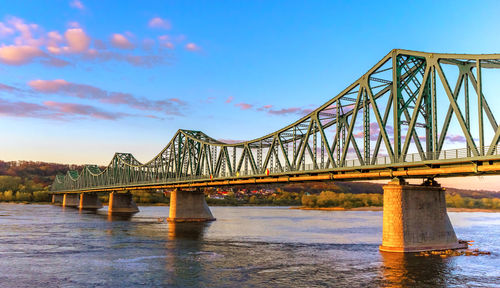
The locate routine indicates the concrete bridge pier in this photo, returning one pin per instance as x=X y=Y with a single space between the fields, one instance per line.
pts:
x=189 y=206
x=57 y=199
x=415 y=218
x=70 y=200
x=89 y=201
x=121 y=203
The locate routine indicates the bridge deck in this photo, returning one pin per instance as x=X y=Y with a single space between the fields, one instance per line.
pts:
x=458 y=167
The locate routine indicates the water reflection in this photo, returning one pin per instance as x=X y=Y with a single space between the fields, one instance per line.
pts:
x=119 y=217
x=408 y=270
x=184 y=247
x=186 y=231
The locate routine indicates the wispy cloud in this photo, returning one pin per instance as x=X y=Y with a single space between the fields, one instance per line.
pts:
x=229 y=99
x=158 y=22
x=72 y=109
x=243 y=106
x=169 y=106
x=455 y=138
x=56 y=111
x=192 y=47
x=77 y=4
x=120 y=41
x=285 y=111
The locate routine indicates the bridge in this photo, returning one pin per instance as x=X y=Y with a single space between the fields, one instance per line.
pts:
x=412 y=115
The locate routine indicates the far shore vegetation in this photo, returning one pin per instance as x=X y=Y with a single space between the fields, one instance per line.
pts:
x=29 y=182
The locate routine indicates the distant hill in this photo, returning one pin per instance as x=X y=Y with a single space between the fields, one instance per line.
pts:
x=44 y=173
x=38 y=172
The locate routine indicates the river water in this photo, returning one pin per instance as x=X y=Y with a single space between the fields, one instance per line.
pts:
x=50 y=246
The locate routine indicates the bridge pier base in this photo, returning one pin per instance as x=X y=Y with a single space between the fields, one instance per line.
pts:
x=121 y=203
x=415 y=218
x=89 y=201
x=70 y=200
x=189 y=206
x=57 y=199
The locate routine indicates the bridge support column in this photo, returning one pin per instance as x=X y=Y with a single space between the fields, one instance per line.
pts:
x=57 y=199
x=189 y=206
x=121 y=203
x=70 y=200
x=415 y=218
x=89 y=201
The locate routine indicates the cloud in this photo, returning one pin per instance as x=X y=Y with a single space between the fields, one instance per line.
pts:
x=169 y=106
x=77 y=4
x=158 y=22
x=19 y=55
x=456 y=138
x=77 y=40
x=120 y=41
x=168 y=45
x=22 y=109
x=8 y=88
x=285 y=111
x=5 y=31
x=55 y=62
x=70 y=109
x=229 y=99
x=192 y=47
x=230 y=141
x=26 y=43
x=243 y=106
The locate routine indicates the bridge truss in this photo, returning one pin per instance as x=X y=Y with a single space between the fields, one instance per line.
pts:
x=412 y=111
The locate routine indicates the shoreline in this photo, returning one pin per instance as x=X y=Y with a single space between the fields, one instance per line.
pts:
x=379 y=208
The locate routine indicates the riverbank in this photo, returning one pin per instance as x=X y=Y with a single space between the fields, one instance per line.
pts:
x=378 y=208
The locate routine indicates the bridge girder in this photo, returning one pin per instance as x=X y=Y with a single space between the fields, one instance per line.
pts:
x=408 y=94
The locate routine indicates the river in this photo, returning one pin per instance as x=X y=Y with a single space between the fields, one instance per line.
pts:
x=51 y=246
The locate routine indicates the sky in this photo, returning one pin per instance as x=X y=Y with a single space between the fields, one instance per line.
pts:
x=81 y=80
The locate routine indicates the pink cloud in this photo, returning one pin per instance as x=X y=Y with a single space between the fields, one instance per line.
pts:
x=26 y=32
x=77 y=4
x=73 y=24
x=456 y=138
x=77 y=39
x=192 y=47
x=22 y=109
x=55 y=62
x=8 y=88
x=79 y=109
x=135 y=60
x=178 y=101
x=243 y=106
x=229 y=99
x=83 y=91
x=48 y=85
x=120 y=41
x=158 y=22
x=168 y=45
x=19 y=55
x=230 y=141
x=5 y=31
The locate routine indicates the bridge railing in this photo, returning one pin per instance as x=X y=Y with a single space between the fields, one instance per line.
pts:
x=460 y=153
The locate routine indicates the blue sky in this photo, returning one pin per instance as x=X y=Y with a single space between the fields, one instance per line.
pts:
x=80 y=80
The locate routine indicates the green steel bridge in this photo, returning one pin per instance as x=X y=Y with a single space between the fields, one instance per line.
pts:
x=412 y=115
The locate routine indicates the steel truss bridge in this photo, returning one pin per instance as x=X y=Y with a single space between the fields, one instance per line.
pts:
x=413 y=114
